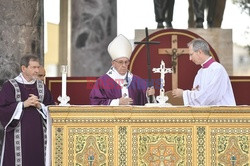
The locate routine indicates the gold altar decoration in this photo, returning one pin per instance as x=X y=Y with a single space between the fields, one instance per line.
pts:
x=150 y=136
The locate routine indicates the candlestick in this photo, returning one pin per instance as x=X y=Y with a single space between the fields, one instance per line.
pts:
x=64 y=98
x=64 y=72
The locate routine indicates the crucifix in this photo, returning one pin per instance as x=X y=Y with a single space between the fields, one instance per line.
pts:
x=162 y=98
x=147 y=43
x=175 y=52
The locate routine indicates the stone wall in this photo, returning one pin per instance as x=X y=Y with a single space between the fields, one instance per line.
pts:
x=94 y=25
x=21 y=32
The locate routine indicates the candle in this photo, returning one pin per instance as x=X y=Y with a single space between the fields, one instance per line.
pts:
x=64 y=72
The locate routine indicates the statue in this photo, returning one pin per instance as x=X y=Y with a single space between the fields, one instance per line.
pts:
x=164 y=12
x=214 y=14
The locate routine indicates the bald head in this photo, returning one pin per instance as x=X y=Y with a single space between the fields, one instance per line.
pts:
x=41 y=74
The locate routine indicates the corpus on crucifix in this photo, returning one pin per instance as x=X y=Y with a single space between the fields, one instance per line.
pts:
x=175 y=52
x=162 y=99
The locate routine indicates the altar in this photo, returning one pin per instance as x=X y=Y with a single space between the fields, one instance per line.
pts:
x=136 y=135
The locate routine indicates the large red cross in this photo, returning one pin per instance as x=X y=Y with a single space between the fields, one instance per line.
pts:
x=175 y=52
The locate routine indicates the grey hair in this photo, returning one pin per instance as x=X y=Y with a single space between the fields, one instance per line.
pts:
x=199 y=44
x=27 y=58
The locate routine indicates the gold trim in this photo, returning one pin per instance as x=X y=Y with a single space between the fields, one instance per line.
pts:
x=133 y=109
x=199 y=126
x=240 y=80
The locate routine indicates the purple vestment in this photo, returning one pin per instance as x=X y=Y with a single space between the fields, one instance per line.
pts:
x=106 y=89
x=30 y=122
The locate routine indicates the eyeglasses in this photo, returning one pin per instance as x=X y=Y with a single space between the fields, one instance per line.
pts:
x=122 y=62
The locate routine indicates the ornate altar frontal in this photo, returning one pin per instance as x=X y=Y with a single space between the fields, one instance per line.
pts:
x=150 y=136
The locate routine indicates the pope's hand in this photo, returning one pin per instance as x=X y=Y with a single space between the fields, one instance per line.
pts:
x=125 y=101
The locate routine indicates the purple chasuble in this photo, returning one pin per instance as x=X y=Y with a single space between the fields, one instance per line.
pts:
x=31 y=125
x=106 y=89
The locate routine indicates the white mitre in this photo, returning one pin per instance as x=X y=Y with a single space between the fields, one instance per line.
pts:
x=120 y=47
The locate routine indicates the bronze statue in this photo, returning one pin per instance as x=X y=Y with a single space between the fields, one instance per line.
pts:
x=164 y=12
x=214 y=14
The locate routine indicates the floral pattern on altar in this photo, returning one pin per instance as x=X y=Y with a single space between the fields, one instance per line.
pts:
x=230 y=146
x=91 y=150
x=162 y=146
x=233 y=150
x=140 y=136
x=161 y=153
x=91 y=146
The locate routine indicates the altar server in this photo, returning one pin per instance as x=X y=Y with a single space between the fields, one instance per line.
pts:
x=24 y=116
x=211 y=85
x=119 y=86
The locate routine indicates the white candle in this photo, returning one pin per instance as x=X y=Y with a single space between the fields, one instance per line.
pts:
x=64 y=72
